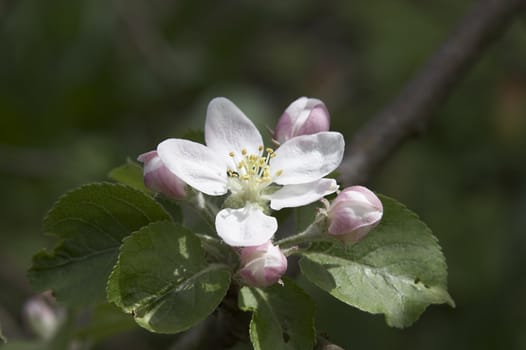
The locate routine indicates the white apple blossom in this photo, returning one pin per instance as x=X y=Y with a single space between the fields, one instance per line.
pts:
x=235 y=161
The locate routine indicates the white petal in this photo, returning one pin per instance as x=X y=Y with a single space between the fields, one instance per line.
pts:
x=308 y=157
x=245 y=227
x=195 y=164
x=227 y=129
x=290 y=196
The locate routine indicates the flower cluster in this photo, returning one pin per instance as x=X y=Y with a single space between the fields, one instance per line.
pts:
x=257 y=180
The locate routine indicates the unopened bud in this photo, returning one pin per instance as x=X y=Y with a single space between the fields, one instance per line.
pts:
x=304 y=116
x=159 y=178
x=262 y=265
x=355 y=211
x=43 y=315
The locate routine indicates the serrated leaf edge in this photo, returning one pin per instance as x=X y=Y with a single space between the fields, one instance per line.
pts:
x=427 y=228
x=51 y=251
x=65 y=195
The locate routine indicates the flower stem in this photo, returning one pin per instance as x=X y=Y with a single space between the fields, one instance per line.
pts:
x=205 y=207
x=315 y=232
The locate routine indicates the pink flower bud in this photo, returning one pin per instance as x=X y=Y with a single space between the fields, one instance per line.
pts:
x=304 y=116
x=158 y=178
x=262 y=265
x=355 y=211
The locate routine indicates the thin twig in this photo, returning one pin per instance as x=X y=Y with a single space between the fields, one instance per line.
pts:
x=410 y=112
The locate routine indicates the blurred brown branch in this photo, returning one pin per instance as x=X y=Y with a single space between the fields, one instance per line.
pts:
x=410 y=112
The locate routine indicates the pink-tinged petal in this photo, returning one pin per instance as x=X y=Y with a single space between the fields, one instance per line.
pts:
x=248 y=254
x=359 y=194
x=227 y=129
x=262 y=265
x=146 y=158
x=284 y=127
x=159 y=178
x=317 y=121
x=195 y=164
x=304 y=116
x=290 y=196
x=245 y=227
x=307 y=158
x=354 y=213
x=289 y=119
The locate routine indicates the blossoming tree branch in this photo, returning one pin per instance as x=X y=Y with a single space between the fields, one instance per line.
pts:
x=129 y=244
x=128 y=249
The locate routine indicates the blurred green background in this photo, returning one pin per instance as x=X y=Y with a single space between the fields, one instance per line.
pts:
x=85 y=84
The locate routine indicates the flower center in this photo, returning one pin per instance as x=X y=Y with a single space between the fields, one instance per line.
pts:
x=253 y=168
x=252 y=173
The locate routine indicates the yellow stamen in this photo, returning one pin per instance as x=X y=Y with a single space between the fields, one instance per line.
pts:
x=253 y=168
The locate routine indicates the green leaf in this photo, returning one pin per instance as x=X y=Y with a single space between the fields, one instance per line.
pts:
x=283 y=317
x=113 y=294
x=91 y=221
x=162 y=279
x=130 y=174
x=216 y=251
x=171 y=207
x=397 y=270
